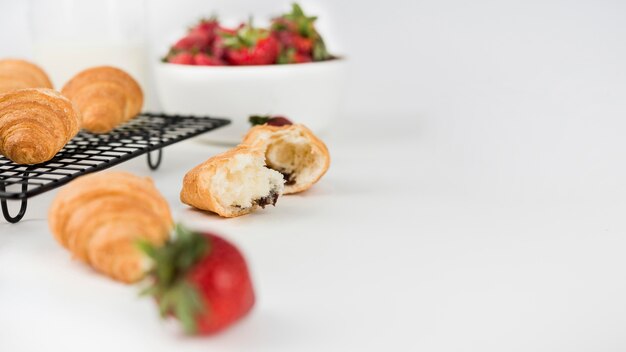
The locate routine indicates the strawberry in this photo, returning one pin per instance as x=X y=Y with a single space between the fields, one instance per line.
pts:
x=297 y=30
x=200 y=279
x=207 y=26
x=199 y=37
x=202 y=59
x=291 y=56
x=303 y=45
x=218 y=48
x=250 y=46
x=269 y=120
x=299 y=58
x=193 y=41
x=182 y=58
x=282 y=24
x=264 y=52
x=296 y=41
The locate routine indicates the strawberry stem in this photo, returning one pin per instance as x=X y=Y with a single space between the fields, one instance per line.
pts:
x=258 y=119
x=170 y=263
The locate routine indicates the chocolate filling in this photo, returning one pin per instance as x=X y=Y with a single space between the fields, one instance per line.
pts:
x=263 y=201
x=290 y=178
x=267 y=200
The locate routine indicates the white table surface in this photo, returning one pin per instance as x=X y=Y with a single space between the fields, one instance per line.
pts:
x=410 y=242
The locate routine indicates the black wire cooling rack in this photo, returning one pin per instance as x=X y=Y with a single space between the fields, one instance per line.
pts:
x=88 y=153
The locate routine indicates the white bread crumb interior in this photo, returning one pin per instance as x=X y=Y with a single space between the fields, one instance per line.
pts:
x=244 y=180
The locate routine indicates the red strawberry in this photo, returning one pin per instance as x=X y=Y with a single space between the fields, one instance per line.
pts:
x=202 y=59
x=284 y=38
x=303 y=45
x=200 y=279
x=269 y=120
x=299 y=58
x=264 y=52
x=284 y=24
x=193 y=41
x=199 y=37
x=293 y=40
x=207 y=26
x=250 y=46
x=182 y=59
x=218 y=47
x=291 y=56
x=297 y=30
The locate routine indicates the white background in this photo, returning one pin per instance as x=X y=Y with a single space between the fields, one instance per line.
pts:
x=476 y=200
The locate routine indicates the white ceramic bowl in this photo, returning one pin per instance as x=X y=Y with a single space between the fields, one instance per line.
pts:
x=309 y=93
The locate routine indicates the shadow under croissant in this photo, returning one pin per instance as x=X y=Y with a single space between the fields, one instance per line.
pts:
x=214 y=216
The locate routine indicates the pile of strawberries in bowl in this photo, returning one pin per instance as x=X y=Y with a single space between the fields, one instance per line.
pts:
x=282 y=69
x=291 y=38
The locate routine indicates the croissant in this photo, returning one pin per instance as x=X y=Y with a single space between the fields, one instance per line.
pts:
x=99 y=218
x=233 y=183
x=35 y=123
x=20 y=74
x=106 y=96
x=294 y=151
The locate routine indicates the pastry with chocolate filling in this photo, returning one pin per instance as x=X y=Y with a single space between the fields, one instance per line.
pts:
x=233 y=183
x=292 y=150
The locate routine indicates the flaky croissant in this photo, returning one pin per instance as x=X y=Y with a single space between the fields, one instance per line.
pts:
x=20 y=74
x=36 y=123
x=294 y=151
x=106 y=96
x=233 y=183
x=100 y=217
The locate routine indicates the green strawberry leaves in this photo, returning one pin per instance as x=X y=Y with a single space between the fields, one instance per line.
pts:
x=319 y=51
x=304 y=26
x=258 y=119
x=245 y=37
x=186 y=304
x=171 y=261
x=304 y=23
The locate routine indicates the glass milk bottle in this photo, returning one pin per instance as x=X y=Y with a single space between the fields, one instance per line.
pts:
x=72 y=35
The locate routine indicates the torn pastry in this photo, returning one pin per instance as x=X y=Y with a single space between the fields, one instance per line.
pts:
x=292 y=150
x=233 y=183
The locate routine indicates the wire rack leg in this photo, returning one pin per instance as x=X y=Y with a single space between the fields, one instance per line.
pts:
x=155 y=164
x=5 y=206
x=20 y=214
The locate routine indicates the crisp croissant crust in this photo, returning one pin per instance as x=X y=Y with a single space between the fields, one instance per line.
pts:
x=294 y=151
x=233 y=183
x=20 y=74
x=106 y=96
x=99 y=218
x=35 y=124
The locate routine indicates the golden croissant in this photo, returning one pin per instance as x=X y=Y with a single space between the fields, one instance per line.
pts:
x=20 y=74
x=233 y=183
x=106 y=96
x=36 y=123
x=100 y=217
x=294 y=151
